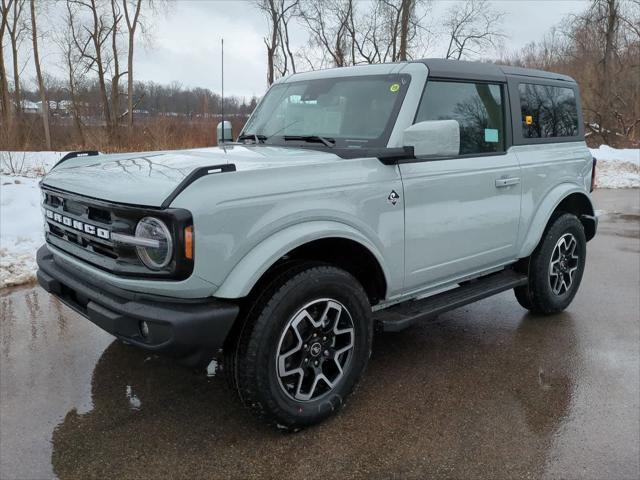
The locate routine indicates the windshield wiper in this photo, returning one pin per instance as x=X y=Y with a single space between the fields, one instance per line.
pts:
x=253 y=136
x=328 y=142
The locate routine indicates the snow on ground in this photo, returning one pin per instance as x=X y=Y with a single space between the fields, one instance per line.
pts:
x=617 y=168
x=21 y=218
x=28 y=164
x=21 y=228
x=20 y=215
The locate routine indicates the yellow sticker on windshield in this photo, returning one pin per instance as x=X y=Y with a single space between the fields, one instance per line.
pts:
x=394 y=87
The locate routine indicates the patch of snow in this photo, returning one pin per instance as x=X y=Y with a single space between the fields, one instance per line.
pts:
x=616 y=174
x=617 y=168
x=28 y=164
x=21 y=229
x=609 y=154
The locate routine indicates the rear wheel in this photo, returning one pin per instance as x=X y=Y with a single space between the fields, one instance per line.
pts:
x=555 y=267
x=305 y=344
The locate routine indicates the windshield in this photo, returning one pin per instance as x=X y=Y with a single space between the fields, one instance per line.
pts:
x=349 y=112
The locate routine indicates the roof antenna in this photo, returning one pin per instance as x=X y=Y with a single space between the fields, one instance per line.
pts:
x=222 y=96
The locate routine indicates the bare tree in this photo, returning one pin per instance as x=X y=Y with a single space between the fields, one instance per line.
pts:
x=4 y=84
x=611 y=36
x=402 y=26
x=89 y=40
x=347 y=32
x=600 y=48
x=328 y=23
x=370 y=33
x=36 y=59
x=72 y=62
x=288 y=63
x=16 y=28
x=406 y=7
x=116 y=74
x=472 y=27
x=279 y=54
x=133 y=20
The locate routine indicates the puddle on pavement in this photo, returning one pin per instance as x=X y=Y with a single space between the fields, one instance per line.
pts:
x=77 y=404
x=486 y=390
x=620 y=225
x=625 y=217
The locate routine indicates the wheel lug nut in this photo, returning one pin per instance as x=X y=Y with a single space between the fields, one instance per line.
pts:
x=306 y=347
x=316 y=363
x=326 y=353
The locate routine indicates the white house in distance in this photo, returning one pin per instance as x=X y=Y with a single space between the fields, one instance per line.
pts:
x=31 y=107
x=62 y=107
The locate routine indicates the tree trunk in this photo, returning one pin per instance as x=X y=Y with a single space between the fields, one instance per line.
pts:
x=407 y=7
x=16 y=75
x=98 y=49
x=115 y=79
x=131 y=25
x=4 y=84
x=43 y=94
x=74 y=100
x=130 y=81
x=273 y=47
x=607 y=78
x=15 y=34
x=610 y=31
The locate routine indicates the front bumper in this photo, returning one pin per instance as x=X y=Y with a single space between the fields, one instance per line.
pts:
x=192 y=330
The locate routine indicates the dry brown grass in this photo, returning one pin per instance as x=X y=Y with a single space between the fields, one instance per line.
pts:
x=156 y=133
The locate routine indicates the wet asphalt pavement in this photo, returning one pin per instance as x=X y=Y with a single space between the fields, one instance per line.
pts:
x=485 y=391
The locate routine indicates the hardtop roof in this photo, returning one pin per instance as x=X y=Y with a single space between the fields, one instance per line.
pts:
x=439 y=67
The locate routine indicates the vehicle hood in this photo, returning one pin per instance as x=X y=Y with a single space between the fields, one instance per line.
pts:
x=148 y=178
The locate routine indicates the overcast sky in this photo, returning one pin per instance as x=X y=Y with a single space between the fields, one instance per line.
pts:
x=185 y=45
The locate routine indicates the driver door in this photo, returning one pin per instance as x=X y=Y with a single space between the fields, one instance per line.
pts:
x=462 y=213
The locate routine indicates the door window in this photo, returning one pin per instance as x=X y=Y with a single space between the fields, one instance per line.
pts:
x=478 y=108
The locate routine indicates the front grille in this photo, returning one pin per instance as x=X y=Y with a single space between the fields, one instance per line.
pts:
x=68 y=216
x=82 y=227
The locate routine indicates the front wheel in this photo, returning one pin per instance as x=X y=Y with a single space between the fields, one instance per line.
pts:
x=555 y=267
x=305 y=344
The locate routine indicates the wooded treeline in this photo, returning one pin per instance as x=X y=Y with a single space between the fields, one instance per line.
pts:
x=600 y=48
x=99 y=104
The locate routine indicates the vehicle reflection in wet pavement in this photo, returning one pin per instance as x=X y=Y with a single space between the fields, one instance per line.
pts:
x=486 y=391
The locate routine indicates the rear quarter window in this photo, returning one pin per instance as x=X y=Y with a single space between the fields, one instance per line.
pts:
x=548 y=111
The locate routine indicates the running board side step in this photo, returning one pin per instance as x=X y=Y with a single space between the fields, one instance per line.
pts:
x=406 y=314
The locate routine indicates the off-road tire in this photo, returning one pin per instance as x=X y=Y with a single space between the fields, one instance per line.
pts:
x=253 y=362
x=538 y=295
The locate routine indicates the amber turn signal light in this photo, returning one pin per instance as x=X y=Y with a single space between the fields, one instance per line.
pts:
x=188 y=242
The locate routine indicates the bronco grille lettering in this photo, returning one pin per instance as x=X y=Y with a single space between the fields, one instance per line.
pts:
x=78 y=225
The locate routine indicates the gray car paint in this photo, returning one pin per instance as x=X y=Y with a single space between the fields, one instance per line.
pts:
x=280 y=198
x=149 y=178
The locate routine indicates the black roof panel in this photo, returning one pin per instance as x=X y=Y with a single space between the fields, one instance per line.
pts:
x=439 y=67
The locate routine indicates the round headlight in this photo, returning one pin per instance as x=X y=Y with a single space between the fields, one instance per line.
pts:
x=157 y=255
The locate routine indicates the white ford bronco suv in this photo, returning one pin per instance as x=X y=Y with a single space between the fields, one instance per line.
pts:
x=354 y=199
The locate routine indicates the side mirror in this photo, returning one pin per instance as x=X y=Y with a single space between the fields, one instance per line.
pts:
x=225 y=132
x=433 y=138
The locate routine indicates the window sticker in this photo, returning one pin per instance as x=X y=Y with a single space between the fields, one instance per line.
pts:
x=528 y=120
x=491 y=135
x=394 y=87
